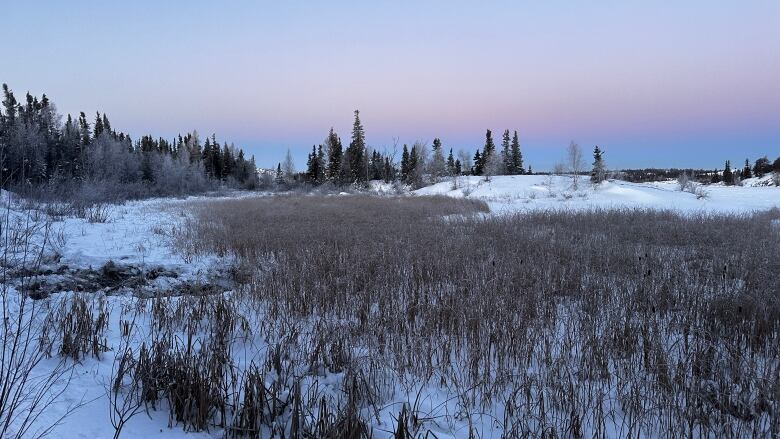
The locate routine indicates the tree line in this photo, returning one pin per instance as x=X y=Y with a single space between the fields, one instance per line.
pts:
x=331 y=163
x=761 y=167
x=39 y=152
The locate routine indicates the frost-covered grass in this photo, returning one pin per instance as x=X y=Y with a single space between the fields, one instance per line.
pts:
x=608 y=322
x=424 y=316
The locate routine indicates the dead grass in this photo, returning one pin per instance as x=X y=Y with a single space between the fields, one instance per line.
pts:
x=634 y=323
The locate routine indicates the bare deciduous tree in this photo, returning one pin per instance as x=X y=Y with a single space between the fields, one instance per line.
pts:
x=575 y=163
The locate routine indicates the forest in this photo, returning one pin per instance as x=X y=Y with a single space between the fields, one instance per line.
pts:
x=87 y=160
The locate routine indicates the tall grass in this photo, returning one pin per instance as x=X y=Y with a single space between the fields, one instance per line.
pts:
x=602 y=323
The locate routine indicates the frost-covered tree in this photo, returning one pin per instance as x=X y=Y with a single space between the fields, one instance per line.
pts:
x=574 y=162
x=489 y=149
x=494 y=165
x=417 y=164
x=451 y=164
x=599 y=171
x=288 y=167
x=465 y=162
x=437 y=167
x=762 y=167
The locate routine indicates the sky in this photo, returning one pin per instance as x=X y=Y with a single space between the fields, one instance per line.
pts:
x=669 y=84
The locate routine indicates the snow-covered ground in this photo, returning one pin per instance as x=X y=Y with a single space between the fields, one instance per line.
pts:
x=525 y=192
x=138 y=233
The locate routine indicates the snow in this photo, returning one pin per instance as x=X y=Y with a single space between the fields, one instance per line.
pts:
x=139 y=233
x=505 y=194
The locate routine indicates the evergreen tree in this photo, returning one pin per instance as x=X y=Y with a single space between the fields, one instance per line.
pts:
x=356 y=152
x=489 y=149
x=746 y=172
x=451 y=164
x=599 y=172
x=388 y=171
x=728 y=176
x=279 y=174
x=36 y=148
x=478 y=164
x=776 y=165
x=320 y=165
x=333 y=144
x=405 y=165
x=84 y=129
x=107 y=125
x=228 y=162
x=437 y=167
x=516 y=156
x=458 y=170
x=312 y=167
x=413 y=160
x=506 y=155
x=98 y=126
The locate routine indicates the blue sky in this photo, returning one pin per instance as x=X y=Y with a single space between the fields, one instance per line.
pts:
x=653 y=84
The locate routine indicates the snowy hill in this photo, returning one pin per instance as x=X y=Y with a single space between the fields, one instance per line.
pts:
x=522 y=192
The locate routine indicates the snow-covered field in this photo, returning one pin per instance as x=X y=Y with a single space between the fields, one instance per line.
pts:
x=527 y=192
x=139 y=233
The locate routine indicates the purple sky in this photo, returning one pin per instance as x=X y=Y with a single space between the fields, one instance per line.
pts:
x=653 y=85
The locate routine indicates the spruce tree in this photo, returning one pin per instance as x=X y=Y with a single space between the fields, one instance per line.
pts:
x=356 y=152
x=506 y=155
x=489 y=149
x=98 y=126
x=405 y=165
x=320 y=165
x=478 y=164
x=84 y=129
x=413 y=162
x=106 y=125
x=228 y=161
x=279 y=174
x=437 y=166
x=728 y=176
x=335 y=153
x=746 y=172
x=517 y=156
x=388 y=171
x=311 y=166
x=451 y=164
x=598 y=173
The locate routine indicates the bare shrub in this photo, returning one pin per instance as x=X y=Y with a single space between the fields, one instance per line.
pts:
x=27 y=390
